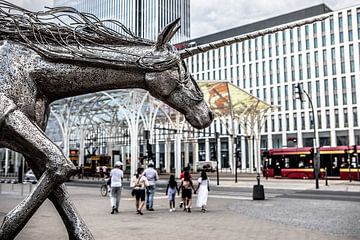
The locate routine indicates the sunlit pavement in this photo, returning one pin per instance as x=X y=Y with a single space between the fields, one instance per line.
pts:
x=298 y=213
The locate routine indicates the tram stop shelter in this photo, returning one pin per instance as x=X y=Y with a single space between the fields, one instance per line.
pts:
x=234 y=105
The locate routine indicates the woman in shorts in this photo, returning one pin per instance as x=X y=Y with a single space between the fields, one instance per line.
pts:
x=139 y=184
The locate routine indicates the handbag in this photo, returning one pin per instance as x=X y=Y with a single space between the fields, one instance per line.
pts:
x=133 y=191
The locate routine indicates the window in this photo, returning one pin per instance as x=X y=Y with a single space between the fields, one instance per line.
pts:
x=264 y=73
x=350 y=31
x=341 y=33
x=323 y=33
x=295 y=121
x=257 y=73
x=272 y=123
x=280 y=123
x=346 y=120
x=353 y=90
x=316 y=64
x=256 y=48
x=249 y=49
x=351 y=56
x=336 y=101
x=285 y=69
x=342 y=60
x=263 y=47
x=336 y=117
x=302 y=121
x=270 y=45
x=300 y=68
x=291 y=40
x=286 y=97
x=325 y=69
x=279 y=100
x=307 y=41
x=317 y=93
x=358 y=21
x=315 y=35
x=299 y=38
x=287 y=123
x=308 y=64
x=277 y=44
x=284 y=41
x=292 y=69
x=319 y=119
x=278 y=70
x=326 y=88
x=271 y=71
x=332 y=38
x=327 y=113
x=294 y=95
x=343 y=82
x=333 y=61
x=355 y=117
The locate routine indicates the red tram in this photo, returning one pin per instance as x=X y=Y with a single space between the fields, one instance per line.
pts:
x=339 y=162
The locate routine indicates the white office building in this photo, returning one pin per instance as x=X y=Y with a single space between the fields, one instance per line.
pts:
x=143 y=17
x=322 y=56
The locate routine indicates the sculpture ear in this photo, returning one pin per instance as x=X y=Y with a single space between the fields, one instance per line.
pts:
x=166 y=34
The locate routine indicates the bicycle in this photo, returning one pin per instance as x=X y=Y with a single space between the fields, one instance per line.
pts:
x=105 y=187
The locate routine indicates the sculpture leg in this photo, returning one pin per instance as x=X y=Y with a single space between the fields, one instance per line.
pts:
x=58 y=170
x=75 y=225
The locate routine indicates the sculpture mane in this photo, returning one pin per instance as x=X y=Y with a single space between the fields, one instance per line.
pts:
x=64 y=33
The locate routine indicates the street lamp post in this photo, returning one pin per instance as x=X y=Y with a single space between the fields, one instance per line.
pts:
x=315 y=142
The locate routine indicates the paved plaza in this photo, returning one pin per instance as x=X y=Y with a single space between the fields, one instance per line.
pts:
x=290 y=211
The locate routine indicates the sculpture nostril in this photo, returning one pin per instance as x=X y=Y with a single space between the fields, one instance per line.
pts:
x=211 y=115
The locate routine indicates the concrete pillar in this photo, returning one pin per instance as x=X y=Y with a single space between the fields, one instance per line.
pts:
x=7 y=156
x=186 y=153
x=134 y=150
x=167 y=154
x=231 y=154
x=207 y=149
x=243 y=154
x=82 y=146
x=157 y=154
x=195 y=149
x=178 y=154
x=218 y=152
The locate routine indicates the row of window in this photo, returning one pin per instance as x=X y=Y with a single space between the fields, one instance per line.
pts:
x=322 y=123
x=223 y=58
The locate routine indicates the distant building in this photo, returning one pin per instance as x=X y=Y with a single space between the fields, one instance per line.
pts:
x=144 y=17
x=322 y=56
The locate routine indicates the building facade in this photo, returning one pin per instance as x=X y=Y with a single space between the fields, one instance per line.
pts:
x=145 y=18
x=323 y=57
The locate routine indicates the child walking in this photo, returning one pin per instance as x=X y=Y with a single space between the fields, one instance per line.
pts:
x=171 y=189
x=186 y=188
x=204 y=188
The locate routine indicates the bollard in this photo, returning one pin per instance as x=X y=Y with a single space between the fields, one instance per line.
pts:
x=258 y=190
x=326 y=178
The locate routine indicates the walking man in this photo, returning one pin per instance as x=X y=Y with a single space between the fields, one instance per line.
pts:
x=152 y=176
x=117 y=176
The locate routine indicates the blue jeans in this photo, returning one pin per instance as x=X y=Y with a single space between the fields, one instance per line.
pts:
x=150 y=191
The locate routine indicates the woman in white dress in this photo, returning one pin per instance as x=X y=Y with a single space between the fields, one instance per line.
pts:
x=203 y=191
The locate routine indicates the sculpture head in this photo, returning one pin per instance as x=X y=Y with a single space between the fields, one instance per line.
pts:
x=170 y=81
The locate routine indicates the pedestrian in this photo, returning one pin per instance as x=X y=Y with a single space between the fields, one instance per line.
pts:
x=152 y=176
x=171 y=189
x=117 y=176
x=139 y=183
x=81 y=171
x=203 y=190
x=186 y=169
x=186 y=188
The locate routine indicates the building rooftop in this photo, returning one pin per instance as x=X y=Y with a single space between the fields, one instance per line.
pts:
x=263 y=24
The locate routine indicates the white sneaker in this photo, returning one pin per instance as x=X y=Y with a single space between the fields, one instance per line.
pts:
x=170 y=210
x=173 y=209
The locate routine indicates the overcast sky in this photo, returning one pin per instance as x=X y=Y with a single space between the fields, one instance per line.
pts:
x=210 y=16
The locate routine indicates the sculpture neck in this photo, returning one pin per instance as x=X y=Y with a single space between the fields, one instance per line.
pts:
x=59 y=80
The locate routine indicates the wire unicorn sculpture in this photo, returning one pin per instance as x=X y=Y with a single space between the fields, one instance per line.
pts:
x=58 y=53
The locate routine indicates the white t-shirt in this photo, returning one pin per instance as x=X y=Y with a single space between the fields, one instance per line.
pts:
x=116 y=177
